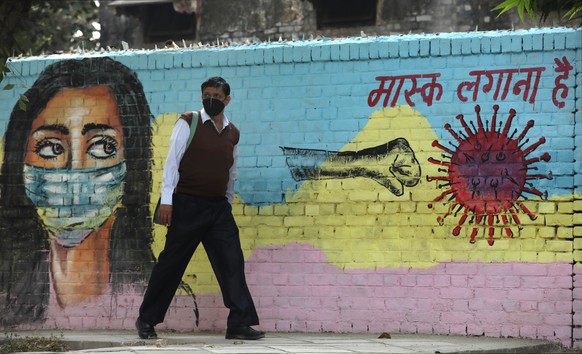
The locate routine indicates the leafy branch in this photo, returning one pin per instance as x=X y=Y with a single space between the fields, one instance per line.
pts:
x=570 y=9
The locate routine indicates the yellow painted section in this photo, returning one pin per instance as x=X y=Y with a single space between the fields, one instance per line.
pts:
x=358 y=223
x=161 y=132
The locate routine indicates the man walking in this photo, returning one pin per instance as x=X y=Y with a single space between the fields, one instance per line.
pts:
x=197 y=192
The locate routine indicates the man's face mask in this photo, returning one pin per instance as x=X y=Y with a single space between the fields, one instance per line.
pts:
x=73 y=203
x=213 y=106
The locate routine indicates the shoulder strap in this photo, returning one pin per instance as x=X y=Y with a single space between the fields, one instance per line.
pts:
x=193 y=125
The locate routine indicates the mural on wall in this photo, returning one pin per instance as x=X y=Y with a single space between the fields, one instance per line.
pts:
x=487 y=174
x=438 y=95
x=488 y=169
x=73 y=190
x=393 y=165
x=360 y=198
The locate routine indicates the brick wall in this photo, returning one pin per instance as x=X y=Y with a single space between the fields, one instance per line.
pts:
x=379 y=180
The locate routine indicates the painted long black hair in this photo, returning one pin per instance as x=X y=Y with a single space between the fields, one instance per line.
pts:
x=24 y=240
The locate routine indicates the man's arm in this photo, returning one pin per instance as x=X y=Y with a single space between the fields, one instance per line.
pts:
x=232 y=175
x=171 y=176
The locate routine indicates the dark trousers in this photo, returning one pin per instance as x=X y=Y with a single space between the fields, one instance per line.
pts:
x=196 y=220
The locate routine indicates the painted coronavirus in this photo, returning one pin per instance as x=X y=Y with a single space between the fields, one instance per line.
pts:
x=487 y=175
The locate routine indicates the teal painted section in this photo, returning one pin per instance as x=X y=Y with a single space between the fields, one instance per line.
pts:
x=315 y=94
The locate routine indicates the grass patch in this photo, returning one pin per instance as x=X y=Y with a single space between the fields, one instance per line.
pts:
x=13 y=343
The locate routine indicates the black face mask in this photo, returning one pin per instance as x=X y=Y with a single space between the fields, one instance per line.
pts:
x=213 y=106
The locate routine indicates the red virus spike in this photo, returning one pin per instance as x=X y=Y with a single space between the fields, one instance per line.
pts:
x=452 y=132
x=473 y=235
x=494 y=118
x=533 y=191
x=438 y=162
x=487 y=175
x=462 y=120
x=436 y=178
x=457 y=229
x=527 y=211
x=549 y=176
x=545 y=157
x=479 y=121
x=534 y=146
x=441 y=219
x=490 y=240
x=529 y=125
x=491 y=229
x=508 y=231
x=443 y=194
x=514 y=216
x=512 y=114
x=436 y=144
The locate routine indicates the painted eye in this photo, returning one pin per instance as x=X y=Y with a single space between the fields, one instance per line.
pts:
x=49 y=149
x=103 y=147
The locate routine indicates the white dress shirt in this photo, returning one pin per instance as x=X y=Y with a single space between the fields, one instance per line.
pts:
x=178 y=141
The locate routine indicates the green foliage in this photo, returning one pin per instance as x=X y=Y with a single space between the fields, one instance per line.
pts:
x=34 y=27
x=4 y=70
x=567 y=9
x=16 y=344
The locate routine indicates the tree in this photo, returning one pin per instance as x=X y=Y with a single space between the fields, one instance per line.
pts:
x=567 y=9
x=41 y=26
x=34 y=27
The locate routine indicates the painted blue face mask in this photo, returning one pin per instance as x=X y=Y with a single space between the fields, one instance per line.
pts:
x=73 y=203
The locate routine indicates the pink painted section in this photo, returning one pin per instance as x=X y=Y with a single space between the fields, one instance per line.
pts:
x=103 y=312
x=111 y=312
x=295 y=289
x=577 y=308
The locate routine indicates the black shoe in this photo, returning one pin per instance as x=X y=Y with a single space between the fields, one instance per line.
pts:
x=145 y=330
x=244 y=333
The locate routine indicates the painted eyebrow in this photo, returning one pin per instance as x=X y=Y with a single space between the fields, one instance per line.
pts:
x=93 y=126
x=59 y=128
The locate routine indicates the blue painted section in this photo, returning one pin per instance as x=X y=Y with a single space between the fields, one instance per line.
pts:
x=314 y=94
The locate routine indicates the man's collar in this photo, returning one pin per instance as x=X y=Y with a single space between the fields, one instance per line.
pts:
x=205 y=118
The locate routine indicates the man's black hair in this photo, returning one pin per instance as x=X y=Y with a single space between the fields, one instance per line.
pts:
x=216 y=81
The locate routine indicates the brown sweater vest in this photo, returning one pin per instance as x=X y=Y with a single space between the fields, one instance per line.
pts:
x=204 y=169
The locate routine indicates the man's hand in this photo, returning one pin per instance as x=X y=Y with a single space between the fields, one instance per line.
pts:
x=165 y=214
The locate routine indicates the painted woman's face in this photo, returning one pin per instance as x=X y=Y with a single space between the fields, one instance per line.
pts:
x=78 y=129
x=74 y=168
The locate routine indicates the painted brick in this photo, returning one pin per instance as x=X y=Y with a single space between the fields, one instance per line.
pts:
x=434 y=47
x=334 y=52
x=405 y=49
x=466 y=46
x=557 y=219
x=393 y=49
x=559 y=41
x=548 y=41
x=445 y=46
x=424 y=47
x=572 y=40
x=560 y=246
x=414 y=48
x=330 y=254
